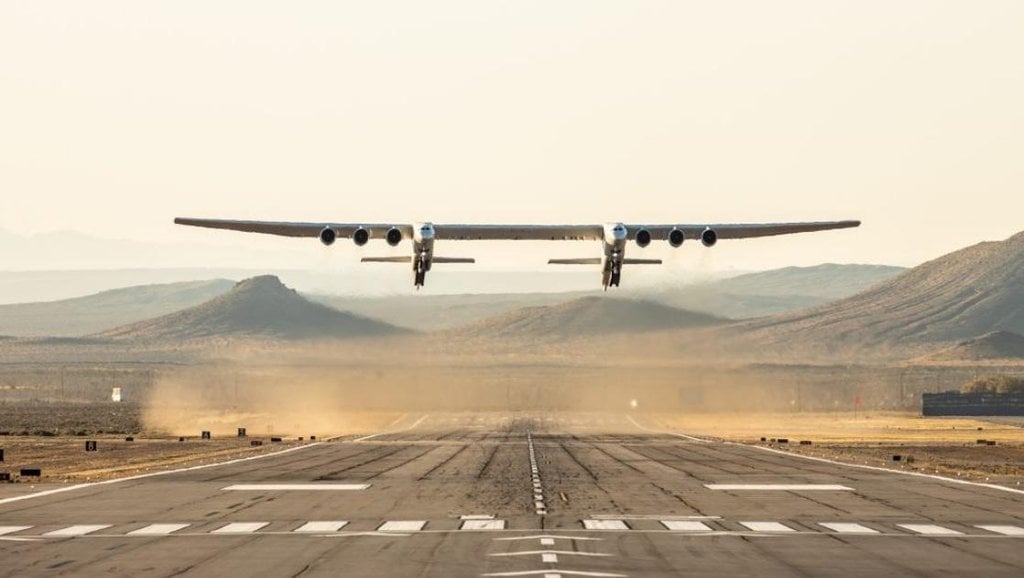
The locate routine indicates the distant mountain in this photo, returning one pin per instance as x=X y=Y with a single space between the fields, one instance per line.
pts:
x=105 y=310
x=587 y=316
x=776 y=291
x=995 y=345
x=257 y=307
x=956 y=297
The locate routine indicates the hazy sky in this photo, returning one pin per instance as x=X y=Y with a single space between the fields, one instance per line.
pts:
x=118 y=116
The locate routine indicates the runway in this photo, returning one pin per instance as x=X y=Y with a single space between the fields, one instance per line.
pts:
x=525 y=495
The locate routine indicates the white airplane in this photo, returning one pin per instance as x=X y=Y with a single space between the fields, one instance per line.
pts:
x=613 y=235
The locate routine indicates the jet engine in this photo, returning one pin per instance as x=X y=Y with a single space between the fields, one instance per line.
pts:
x=676 y=237
x=709 y=237
x=394 y=236
x=328 y=236
x=361 y=236
x=642 y=238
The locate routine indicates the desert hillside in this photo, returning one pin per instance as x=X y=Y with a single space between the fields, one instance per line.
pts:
x=105 y=310
x=998 y=345
x=956 y=297
x=257 y=307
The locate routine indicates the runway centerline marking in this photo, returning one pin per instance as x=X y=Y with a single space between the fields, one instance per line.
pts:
x=295 y=487
x=780 y=487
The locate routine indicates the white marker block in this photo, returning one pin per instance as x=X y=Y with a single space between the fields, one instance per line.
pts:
x=402 y=526
x=685 y=526
x=321 y=527
x=549 y=558
x=773 y=527
x=605 y=525
x=848 y=528
x=158 y=529
x=930 y=530
x=1004 y=530
x=4 y=530
x=240 y=528
x=547 y=541
x=483 y=525
x=77 y=530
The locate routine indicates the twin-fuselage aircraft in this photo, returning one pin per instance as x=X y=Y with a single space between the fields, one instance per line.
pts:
x=613 y=236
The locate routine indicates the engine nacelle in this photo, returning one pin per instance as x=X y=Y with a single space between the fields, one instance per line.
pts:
x=676 y=237
x=328 y=236
x=394 y=236
x=709 y=237
x=642 y=238
x=360 y=236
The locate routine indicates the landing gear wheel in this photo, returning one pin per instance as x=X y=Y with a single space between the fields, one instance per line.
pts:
x=421 y=276
x=614 y=281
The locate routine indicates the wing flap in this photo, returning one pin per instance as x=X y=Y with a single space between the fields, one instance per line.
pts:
x=403 y=259
x=453 y=260
x=585 y=261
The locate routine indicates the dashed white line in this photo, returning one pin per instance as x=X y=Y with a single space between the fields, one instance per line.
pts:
x=930 y=530
x=158 y=529
x=81 y=530
x=4 y=530
x=296 y=487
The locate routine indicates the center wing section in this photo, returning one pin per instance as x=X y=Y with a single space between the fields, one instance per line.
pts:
x=519 y=232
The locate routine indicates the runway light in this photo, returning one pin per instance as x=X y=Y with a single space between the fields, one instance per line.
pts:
x=632 y=403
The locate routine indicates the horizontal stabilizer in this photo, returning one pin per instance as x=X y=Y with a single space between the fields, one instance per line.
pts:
x=405 y=259
x=641 y=261
x=453 y=260
x=588 y=261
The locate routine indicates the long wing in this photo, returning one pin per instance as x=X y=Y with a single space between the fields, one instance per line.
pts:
x=292 y=229
x=744 y=231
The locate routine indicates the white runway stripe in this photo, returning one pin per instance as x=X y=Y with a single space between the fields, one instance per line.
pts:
x=767 y=527
x=12 y=529
x=296 y=487
x=685 y=526
x=81 y=530
x=158 y=529
x=240 y=528
x=1003 y=529
x=321 y=527
x=483 y=525
x=402 y=526
x=930 y=530
x=848 y=528
x=605 y=525
x=780 y=487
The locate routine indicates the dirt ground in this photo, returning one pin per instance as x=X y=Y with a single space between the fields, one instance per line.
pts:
x=944 y=446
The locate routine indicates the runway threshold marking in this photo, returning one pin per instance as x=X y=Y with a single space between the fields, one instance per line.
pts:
x=605 y=525
x=321 y=527
x=158 y=529
x=551 y=537
x=779 y=487
x=12 y=529
x=686 y=526
x=563 y=552
x=240 y=528
x=295 y=487
x=848 y=528
x=770 y=527
x=402 y=526
x=482 y=525
x=80 y=530
x=559 y=572
x=930 y=530
x=1005 y=530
